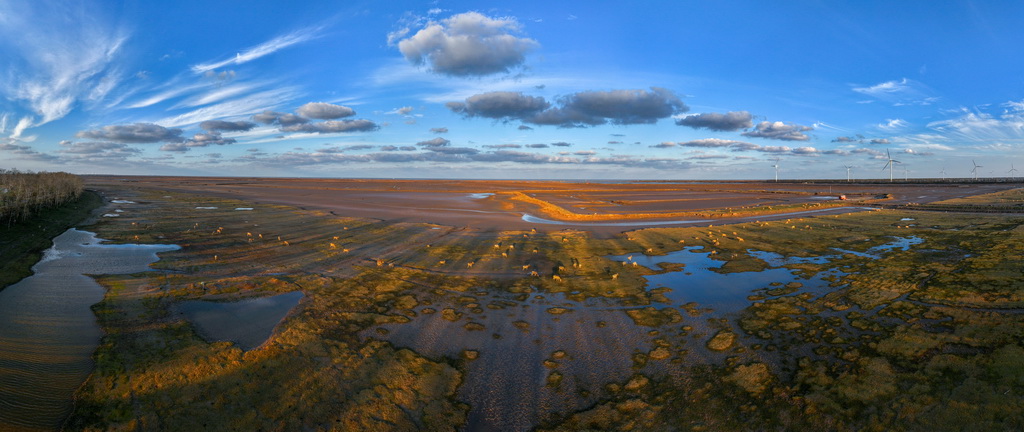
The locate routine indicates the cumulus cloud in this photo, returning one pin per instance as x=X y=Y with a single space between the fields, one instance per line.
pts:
x=561 y=144
x=283 y=119
x=333 y=126
x=621 y=107
x=913 y=152
x=226 y=126
x=540 y=145
x=439 y=130
x=712 y=142
x=805 y=151
x=468 y=44
x=589 y=108
x=205 y=139
x=730 y=121
x=499 y=105
x=845 y=139
x=325 y=111
x=739 y=146
x=454 y=150
x=779 y=131
x=503 y=146
x=97 y=151
x=435 y=142
x=880 y=141
x=133 y=133
x=875 y=154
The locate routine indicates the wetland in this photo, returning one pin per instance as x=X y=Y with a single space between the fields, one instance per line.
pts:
x=300 y=314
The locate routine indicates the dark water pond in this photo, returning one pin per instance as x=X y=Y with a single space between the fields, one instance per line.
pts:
x=247 y=323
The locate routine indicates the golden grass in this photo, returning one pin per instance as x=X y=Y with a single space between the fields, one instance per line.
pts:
x=560 y=213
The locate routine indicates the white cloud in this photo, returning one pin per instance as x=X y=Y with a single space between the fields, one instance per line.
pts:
x=891 y=125
x=175 y=91
x=244 y=106
x=900 y=92
x=216 y=95
x=60 y=58
x=264 y=49
x=23 y=124
x=467 y=44
x=981 y=127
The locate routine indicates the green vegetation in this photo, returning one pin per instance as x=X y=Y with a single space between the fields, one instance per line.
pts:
x=22 y=243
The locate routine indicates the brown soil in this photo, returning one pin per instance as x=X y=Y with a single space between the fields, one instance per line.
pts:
x=625 y=206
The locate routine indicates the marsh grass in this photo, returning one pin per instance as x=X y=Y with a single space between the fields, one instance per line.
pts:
x=927 y=338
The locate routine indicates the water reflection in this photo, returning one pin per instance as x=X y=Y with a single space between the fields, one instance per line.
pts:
x=248 y=323
x=48 y=331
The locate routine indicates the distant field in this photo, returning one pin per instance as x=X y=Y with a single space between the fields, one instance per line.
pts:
x=632 y=204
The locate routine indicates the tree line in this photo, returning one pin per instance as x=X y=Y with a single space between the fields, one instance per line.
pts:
x=24 y=193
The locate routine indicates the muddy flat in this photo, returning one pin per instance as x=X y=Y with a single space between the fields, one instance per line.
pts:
x=487 y=205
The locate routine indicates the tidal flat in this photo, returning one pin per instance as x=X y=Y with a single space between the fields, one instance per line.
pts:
x=871 y=320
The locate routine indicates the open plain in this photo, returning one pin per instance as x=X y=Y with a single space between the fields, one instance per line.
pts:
x=446 y=305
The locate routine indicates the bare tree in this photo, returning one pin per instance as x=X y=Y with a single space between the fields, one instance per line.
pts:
x=22 y=194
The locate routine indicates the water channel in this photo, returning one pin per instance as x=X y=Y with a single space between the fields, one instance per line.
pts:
x=48 y=332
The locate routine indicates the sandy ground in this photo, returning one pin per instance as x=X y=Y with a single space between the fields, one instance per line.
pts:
x=480 y=204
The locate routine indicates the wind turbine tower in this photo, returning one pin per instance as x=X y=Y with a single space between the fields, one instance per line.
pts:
x=848 y=168
x=889 y=164
x=776 y=166
x=975 y=170
x=943 y=172
x=1011 y=171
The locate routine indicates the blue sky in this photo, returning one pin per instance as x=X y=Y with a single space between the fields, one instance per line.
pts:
x=545 y=90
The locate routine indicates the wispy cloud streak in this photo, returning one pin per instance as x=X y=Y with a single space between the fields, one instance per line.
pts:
x=58 y=60
x=261 y=50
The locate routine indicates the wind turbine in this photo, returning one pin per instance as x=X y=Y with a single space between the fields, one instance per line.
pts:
x=975 y=170
x=1011 y=171
x=889 y=164
x=943 y=172
x=848 y=168
x=776 y=166
x=905 y=172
